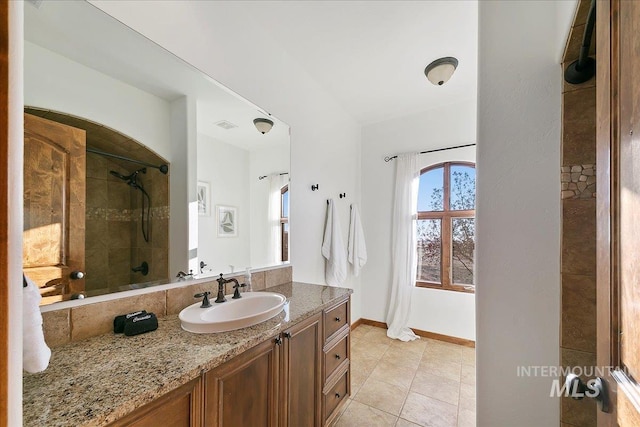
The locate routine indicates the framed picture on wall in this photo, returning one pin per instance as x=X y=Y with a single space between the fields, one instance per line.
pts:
x=204 y=198
x=227 y=221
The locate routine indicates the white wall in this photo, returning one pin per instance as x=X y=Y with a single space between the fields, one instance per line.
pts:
x=221 y=252
x=60 y=84
x=14 y=211
x=264 y=161
x=443 y=312
x=183 y=205
x=518 y=211
x=220 y=38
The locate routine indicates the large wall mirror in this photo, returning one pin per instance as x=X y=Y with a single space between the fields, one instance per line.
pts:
x=139 y=166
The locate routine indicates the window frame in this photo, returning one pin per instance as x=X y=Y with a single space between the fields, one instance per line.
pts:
x=446 y=217
x=284 y=250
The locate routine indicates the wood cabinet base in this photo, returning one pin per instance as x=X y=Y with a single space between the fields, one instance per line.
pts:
x=299 y=378
x=181 y=407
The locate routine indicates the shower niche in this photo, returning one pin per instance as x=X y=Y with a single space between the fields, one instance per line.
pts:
x=126 y=215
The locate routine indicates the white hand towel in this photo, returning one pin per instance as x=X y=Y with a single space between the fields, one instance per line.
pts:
x=357 y=246
x=35 y=352
x=333 y=249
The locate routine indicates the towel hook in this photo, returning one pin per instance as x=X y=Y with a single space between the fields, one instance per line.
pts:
x=343 y=195
x=314 y=187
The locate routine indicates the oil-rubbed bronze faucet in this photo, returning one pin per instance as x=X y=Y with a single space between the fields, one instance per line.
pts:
x=221 y=283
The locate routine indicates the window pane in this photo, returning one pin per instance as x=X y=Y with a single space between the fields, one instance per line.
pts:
x=429 y=250
x=285 y=204
x=285 y=241
x=463 y=187
x=431 y=190
x=463 y=236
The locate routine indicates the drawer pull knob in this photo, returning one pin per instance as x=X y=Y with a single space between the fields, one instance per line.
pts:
x=338 y=319
x=278 y=341
x=337 y=395
x=287 y=334
x=338 y=356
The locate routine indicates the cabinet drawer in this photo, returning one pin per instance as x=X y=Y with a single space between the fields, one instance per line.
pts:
x=335 y=319
x=336 y=395
x=335 y=356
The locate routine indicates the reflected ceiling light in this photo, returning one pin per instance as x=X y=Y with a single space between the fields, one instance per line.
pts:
x=263 y=125
x=441 y=70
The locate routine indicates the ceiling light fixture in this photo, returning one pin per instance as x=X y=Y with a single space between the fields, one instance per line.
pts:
x=263 y=125
x=441 y=70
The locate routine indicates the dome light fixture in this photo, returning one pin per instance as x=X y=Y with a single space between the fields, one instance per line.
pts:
x=441 y=70
x=263 y=125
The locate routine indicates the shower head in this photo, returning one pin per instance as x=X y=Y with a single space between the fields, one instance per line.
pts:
x=119 y=175
x=130 y=179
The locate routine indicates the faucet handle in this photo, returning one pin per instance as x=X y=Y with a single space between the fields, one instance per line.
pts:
x=236 y=293
x=182 y=275
x=205 y=300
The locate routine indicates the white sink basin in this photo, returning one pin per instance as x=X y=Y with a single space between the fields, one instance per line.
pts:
x=251 y=309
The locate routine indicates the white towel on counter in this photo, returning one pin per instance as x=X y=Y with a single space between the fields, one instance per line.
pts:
x=333 y=249
x=357 y=247
x=35 y=352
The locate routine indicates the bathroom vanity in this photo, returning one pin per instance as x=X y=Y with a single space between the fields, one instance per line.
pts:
x=292 y=370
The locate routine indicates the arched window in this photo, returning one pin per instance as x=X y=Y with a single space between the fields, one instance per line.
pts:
x=446 y=226
x=284 y=222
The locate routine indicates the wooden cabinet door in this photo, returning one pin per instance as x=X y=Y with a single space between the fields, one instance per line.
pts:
x=54 y=205
x=243 y=392
x=179 y=408
x=302 y=374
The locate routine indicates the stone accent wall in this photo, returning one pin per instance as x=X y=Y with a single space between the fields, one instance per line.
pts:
x=578 y=181
x=157 y=212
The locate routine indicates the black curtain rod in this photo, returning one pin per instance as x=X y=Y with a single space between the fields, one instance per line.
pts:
x=267 y=176
x=388 y=159
x=162 y=168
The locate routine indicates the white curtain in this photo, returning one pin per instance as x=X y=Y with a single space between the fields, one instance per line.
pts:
x=403 y=257
x=276 y=182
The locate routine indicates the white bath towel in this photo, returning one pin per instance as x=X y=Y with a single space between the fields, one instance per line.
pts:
x=333 y=249
x=35 y=352
x=357 y=247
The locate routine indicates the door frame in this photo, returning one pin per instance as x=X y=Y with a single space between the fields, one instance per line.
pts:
x=11 y=102
x=606 y=161
x=621 y=390
x=5 y=227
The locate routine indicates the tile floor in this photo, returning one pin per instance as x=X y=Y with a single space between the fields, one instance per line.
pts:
x=419 y=383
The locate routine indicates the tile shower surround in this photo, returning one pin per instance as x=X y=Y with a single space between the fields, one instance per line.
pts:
x=114 y=243
x=578 y=194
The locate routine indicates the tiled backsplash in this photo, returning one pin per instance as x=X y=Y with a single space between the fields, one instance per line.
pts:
x=78 y=323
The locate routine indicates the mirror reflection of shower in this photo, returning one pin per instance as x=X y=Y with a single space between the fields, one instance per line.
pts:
x=120 y=254
x=132 y=181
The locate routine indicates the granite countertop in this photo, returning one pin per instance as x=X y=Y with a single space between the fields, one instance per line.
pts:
x=99 y=380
